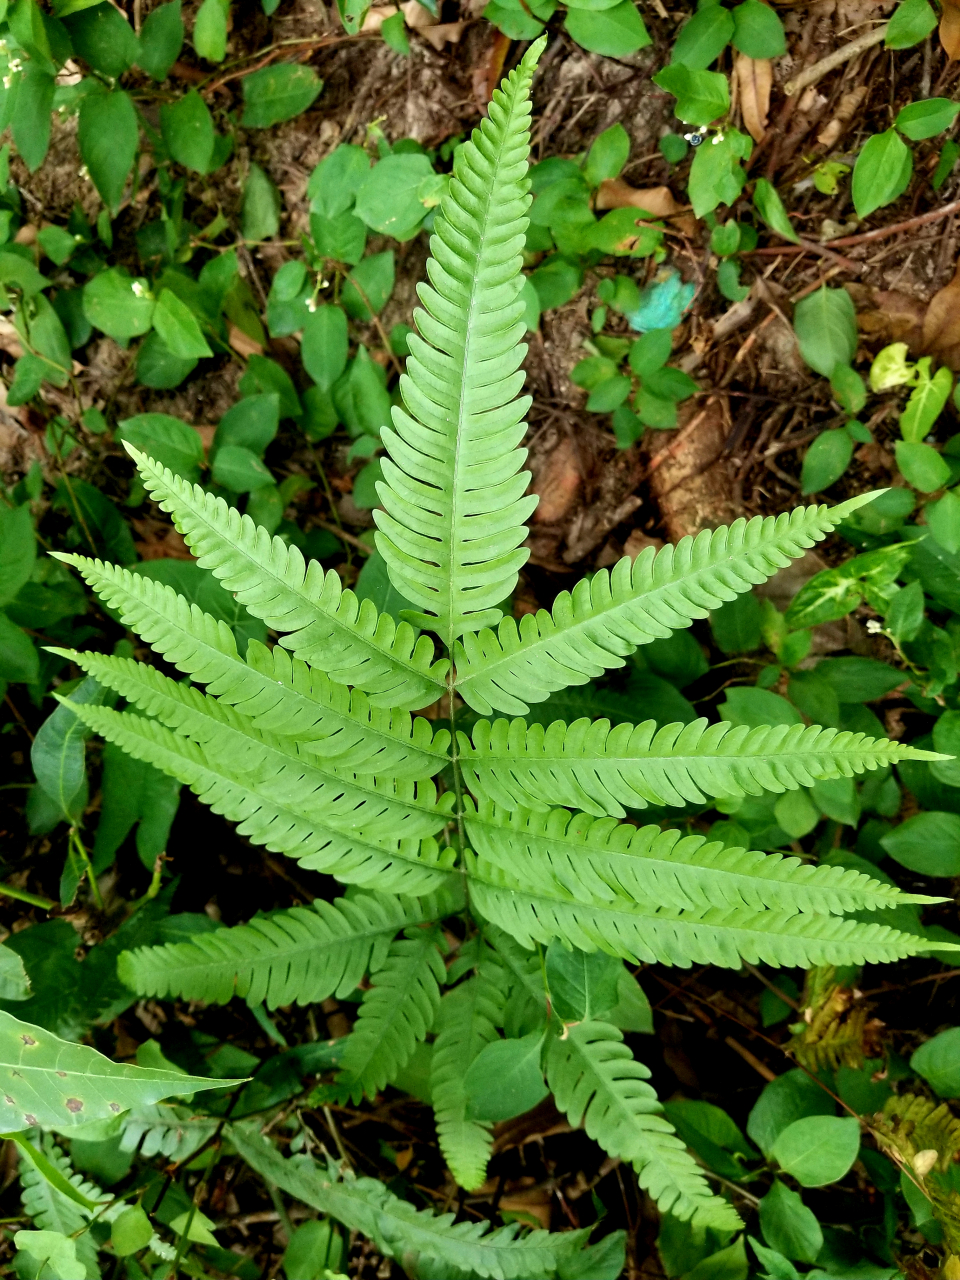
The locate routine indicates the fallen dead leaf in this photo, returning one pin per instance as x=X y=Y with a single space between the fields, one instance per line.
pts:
x=159 y=540
x=657 y=201
x=950 y=29
x=755 y=78
x=444 y=33
x=535 y=1203
x=486 y=74
x=941 y=324
x=243 y=344
x=557 y=481
x=417 y=17
x=847 y=109
x=889 y=315
x=376 y=17
x=10 y=339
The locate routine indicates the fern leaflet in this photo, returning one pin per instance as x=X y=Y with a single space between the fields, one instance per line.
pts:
x=395 y=1014
x=165 y=1129
x=328 y=626
x=607 y=616
x=397 y=1228
x=468 y=1020
x=301 y=955
x=587 y=765
x=50 y=1210
x=453 y=489
x=281 y=695
x=596 y=1081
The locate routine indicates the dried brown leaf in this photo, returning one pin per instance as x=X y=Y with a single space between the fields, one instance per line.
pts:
x=243 y=344
x=444 y=33
x=376 y=17
x=417 y=17
x=941 y=324
x=755 y=78
x=848 y=107
x=657 y=201
x=891 y=316
x=950 y=29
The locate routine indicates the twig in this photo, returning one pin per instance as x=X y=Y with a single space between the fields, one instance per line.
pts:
x=669 y=450
x=777 y=991
x=825 y=251
x=342 y=533
x=865 y=237
x=751 y=1059
x=836 y=59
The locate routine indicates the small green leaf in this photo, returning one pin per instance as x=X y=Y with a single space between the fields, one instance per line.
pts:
x=387 y=201
x=505 y=1079
x=607 y=155
x=131 y=1232
x=187 y=129
x=825 y=323
x=118 y=304
x=252 y=423
x=103 y=38
x=927 y=118
x=583 y=984
x=716 y=175
x=818 y=1150
x=55 y=1254
x=210 y=30
x=905 y=616
x=368 y=286
x=943 y=521
x=18 y=550
x=19 y=660
x=926 y=403
x=703 y=38
x=728 y=281
x=921 y=466
x=928 y=843
x=278 y=93
x=394 y=33
x=882 y=173
x=31 y=115
x=615 y=33
x=757 y=30
x=178 y=327
x=161 y=39
x=948 y=158
x=784 y=1100
x=336 y=180
x=911 y=22
x=324 y=345
x=58 y=754
x=891 y=368
x=167 y=439
x=847 y=386
x=725 y=238
x=261 y=206
x=240 y=470
x=702 y=96
x=938 y=1061
x=768 y=204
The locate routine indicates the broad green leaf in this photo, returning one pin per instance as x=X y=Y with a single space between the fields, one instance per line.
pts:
x=55 y=1253
x=187 y=129
x=928 y=843
x=818 y=1150
x=108 y=135
x=18 y=549
x=210 y=30
x=926 y=403
x=911 y=22
x=158 y=367
x=261 y=206
x=59 y=1085
x=583 y=984
x=921 y=465
x=614 y=33
x=172 y=442
x=335 y=181
x=278 y=93
x=324 y=345
x=905 y=615
x=134 y=794
x=702 y=96
x=757 y=30
x=825 y=323
x=826 y=460
x=766 y=201
x=882 y=172
x=785 y=1099
x=703 y=38
x=58 y=752
x=131 y=1232
x=938 y=1061
x=387 y=201
x=252 y=423
x=178 y=327
x=927 y=118
x=20 y=273
x=103 y=38
x=607 y=155
x=716 y=175
x=505 y=1079
x=240 y=470
x=31 y=115
x=368 y=286
x=118 y=304
x=19 y=661
x=161 y=39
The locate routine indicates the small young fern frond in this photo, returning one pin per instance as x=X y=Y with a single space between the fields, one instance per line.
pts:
x=597 y=1082
x=50 y=1210
x=398 y=1229
x=328 y=626
x=343 y=800
x=277 y=821
x=301 y=956
x=587 y=765
x=452 y=491
x=396 y=1013
x=607 y=616
x=468 y=1020
x=601 y=859
x=646 y=933
x=280 y=694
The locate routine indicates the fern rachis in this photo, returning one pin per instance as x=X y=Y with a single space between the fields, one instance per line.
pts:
x=317 y=756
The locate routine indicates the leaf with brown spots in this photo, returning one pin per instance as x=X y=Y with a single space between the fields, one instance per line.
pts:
x=755 y=80
x=56 y=1084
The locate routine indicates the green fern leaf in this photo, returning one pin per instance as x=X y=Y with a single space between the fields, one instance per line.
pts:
x=395 y=1014
x=398 y=1229
x=280 y=694
x=596 y=1081
x=329 y=627
x=284 y=823
x=589 y=766
x=302 y=955
x=344 y=800
x=607 y=616
x=166 y=1129
x=468 y=1020
x=602 y=859
x=453 y=489
x=646 y=933
x=50 y=1210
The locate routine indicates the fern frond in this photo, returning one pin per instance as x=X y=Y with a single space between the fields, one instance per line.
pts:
x=453 y=489
x=607 y=616
x=301 y=955
x=281 y=823
x=343 y=800
x=521 y=968
x=602 y=859
x=166 y=1129
x=395 y=1014
x=587 y=765
x=398 y=1229
x=50 y=1210
x=280 y=694
x=468 y=1020
x=328 y=627
x=598 y=1083
x=645 y=933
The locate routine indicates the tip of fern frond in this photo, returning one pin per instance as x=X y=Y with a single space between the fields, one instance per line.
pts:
x=533 y=54
x=69 y=654
x=136 y=454
x=918 y=753
x=844 y=509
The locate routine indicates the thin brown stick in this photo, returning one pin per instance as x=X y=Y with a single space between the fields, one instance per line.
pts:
x=866 y=237
x=811 y=75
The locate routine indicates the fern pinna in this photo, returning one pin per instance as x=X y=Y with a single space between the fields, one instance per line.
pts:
x=312 y=748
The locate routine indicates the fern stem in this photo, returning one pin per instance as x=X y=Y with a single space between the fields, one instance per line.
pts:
x=458 y=785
